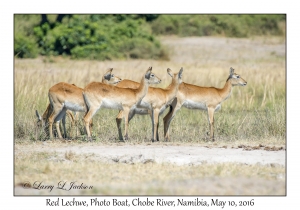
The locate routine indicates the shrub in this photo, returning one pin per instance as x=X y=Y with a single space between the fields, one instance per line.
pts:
x=99 y=37
x=94 y=52
x=25 y=47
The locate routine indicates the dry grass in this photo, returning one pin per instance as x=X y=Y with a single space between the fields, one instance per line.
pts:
x=253 y=113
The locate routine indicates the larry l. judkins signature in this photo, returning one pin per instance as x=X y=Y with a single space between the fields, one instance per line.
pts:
x=62 y=185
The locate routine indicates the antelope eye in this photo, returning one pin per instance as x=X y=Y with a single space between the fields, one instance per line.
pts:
x=237 y=76
x=152 y=75
x=112 y=75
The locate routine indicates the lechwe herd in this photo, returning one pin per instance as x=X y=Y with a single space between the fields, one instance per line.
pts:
x=130 y=98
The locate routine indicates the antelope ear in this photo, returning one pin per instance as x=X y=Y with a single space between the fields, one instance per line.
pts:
x=231 y=71
x=38 y=115
x=148 y=73
x=170 y=72
x=107 y=75
x=180 y=73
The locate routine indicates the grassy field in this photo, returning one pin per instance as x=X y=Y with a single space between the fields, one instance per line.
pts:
x=254 y=113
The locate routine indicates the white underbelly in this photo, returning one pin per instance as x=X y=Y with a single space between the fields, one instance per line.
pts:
x=141 y=111
x=74 y=107
x=142 y=108
x=198 y=105
x=108 y=104
x=194 y=105
x=218 y=107
x=144 y=105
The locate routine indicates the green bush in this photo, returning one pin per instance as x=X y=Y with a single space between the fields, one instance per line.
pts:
x=25 y=47
x=225 y=25
x=100 y=37
x=140 y=48
x=94 y=52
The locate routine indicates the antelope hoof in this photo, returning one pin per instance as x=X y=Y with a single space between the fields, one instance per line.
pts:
x=126 y=137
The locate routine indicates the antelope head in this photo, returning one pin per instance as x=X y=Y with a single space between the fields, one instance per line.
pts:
x=110 y=78
x=151 y=78
x=177 y=77
x=235 y=79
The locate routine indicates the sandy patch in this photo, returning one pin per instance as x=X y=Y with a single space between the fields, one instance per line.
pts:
x=168 y=154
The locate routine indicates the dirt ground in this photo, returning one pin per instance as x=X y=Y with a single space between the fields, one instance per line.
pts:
x=181 y=155
x=164 y=153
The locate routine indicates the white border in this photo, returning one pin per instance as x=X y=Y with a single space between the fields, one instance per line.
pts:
x=8 y=8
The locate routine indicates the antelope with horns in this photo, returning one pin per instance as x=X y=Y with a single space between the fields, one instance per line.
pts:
x=63 y=97
x=154 y=103
x=98 y=95
x=203 y=98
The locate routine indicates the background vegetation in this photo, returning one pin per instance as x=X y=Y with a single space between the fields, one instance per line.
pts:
x=254 y=113
x=120 y=36
x=218 y=25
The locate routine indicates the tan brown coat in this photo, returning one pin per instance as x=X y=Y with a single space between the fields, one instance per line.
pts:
x=204 y=98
